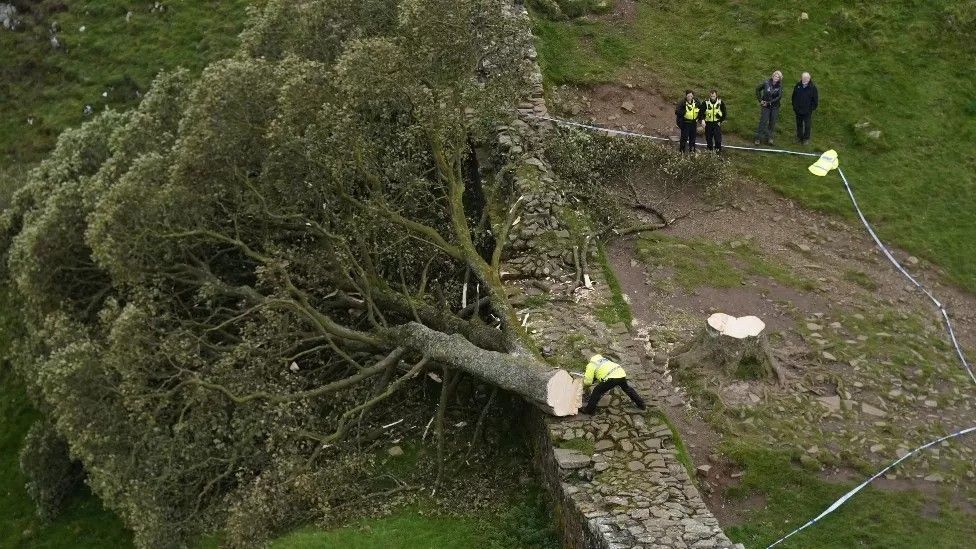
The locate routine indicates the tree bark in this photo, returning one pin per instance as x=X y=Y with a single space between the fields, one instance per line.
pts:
x=737 y=346
x=553 y=390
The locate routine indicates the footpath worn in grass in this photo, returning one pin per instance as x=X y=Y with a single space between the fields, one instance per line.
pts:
x=873 y=518
x=101 y=53
x=905 y=66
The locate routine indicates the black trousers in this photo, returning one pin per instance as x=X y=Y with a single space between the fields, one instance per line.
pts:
x=604 y=386
x=713 y=136
x=689 y=131
x=767 y=124
x=803 y=126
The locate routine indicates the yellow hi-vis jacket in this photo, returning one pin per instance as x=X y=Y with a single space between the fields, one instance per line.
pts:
x=713 y=111
x=827 y=161
x=602 y=369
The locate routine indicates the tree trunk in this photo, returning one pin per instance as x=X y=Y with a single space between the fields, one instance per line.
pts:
x=553 y=390
x=737 y=346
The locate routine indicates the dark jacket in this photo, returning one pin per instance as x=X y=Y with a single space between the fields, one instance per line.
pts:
x=769 y=92
x=723 y=111
x=679 y=111
x=805 y=99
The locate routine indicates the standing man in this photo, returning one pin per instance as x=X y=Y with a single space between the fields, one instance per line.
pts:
x=687 y=114
x=715 y=114
x=768 y=93
x=607 y=374
x=805 y=101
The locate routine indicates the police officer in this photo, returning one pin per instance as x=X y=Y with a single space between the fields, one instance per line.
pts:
x=715 y=113
x=607 y=374
x=687 y=114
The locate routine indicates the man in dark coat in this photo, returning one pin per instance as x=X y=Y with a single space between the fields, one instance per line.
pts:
x=805 y=101
x=687 y=114
x=768 y=93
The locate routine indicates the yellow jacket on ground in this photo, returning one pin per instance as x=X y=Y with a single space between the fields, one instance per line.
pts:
x=827 y=161
x=600 y=369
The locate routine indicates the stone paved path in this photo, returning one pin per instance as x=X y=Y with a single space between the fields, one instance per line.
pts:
x=632 y=491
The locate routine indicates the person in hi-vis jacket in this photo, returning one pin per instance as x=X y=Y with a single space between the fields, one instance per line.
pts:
x=687 y=115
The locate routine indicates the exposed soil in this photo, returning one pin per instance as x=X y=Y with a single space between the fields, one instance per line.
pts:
x=630 y=107
x=623 y=11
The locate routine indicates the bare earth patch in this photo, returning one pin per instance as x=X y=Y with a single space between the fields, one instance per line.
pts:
x=638 y=108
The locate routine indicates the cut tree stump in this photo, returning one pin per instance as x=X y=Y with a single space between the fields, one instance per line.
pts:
x=736 y=345
x=553 y=390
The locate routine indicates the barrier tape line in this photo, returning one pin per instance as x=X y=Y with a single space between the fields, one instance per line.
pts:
x=840 y=501
x=657 y=138
x=887 y=253
x=891 y=258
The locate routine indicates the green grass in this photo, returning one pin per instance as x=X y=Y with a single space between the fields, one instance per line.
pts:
x=695 y=262
x=121 y=58
x=403 y=530
x=861 y=279
x=525 y=523
x=84 y=519
x=681 y=451
x=700 y=262
x=872 y=518
x=892 y=63
x=581 y=445
x=617 y=310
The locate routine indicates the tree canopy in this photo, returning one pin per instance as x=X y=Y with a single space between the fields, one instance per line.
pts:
x=218 y=285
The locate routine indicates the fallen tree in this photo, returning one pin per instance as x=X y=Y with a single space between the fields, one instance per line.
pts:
x=221 y=286
x=551 y=389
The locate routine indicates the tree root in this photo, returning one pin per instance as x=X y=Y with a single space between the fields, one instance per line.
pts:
x=774 y=363
x=640 y=205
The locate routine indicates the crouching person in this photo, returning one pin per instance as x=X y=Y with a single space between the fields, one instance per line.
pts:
x=607 y=375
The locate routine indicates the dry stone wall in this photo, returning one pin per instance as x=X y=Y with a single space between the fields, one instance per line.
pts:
x=539 y=243
x=616 y=478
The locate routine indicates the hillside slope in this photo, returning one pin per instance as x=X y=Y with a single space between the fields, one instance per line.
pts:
x=904 y=66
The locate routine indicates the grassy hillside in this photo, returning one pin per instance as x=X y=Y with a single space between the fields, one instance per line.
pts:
x=905 y=66
x=873 y=518
x=101 y=52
